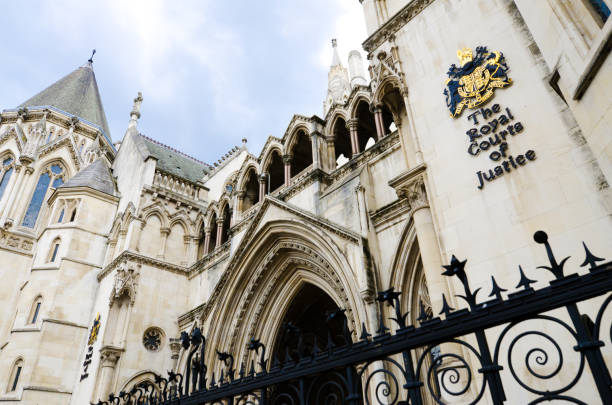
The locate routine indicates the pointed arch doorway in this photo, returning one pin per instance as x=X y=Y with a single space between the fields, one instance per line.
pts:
x=312 y=324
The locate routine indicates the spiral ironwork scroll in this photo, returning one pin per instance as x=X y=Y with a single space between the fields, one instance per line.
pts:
x=387 y=387
x=450 y=373
x=539 y=356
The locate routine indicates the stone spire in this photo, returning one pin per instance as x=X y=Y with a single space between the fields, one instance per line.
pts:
x=335 y=58
x=77 y=94
x=135 y=114
x=338 y=85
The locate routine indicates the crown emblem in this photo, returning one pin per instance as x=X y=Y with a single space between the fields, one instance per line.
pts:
x=464 y=55
x=472 y=83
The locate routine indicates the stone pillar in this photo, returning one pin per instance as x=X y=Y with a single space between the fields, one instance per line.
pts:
x=109 y=357
x=175 y=350
x=219 y=231
x=314 y=141
x=239 y=205
x=207 y=231
x=191 y=249
x=122 y=242
x=363 y=214
x=331 y=153
x=262 y=186
x=9 y=189
x=352 y=126
x=412 y=129
x=164 y=237
x=413 y=188
x=287 y=161
x=380 y=126
x=110 y=253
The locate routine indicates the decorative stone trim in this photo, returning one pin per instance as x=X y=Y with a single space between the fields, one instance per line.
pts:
x=217 y=255
x=109 y=356
x=390 y=211
x=16 y=243
x=187 y=318
x=126 y=281
x=411 y=186
x=395 y=23
x=128 y=255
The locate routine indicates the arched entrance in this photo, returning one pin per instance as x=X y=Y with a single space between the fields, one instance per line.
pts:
x=313 y=324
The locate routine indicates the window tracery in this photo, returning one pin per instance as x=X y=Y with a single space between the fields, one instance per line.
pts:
x=5 y=174
x=54 y=177
x=152 y=339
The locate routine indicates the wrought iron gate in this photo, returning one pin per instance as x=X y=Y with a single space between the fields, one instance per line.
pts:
x=468 y=354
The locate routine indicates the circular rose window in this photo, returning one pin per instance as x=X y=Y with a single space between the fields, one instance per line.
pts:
x=152 y=339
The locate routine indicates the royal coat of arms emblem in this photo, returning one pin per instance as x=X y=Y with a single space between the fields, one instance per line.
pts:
x=474 y=81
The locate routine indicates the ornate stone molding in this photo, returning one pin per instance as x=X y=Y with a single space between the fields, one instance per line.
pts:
x=411 y=186
x=395 y=23
x=389 y=212
x=109 y=356
x=126 y=281
x=16 y=243
x=130 y=256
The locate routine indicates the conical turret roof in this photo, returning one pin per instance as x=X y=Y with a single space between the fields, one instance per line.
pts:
x=96 y=176
x=77 y=94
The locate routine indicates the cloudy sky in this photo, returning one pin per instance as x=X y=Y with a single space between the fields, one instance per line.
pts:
x=211 y=72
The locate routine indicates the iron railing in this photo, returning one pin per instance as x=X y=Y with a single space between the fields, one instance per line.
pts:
x=429 y=363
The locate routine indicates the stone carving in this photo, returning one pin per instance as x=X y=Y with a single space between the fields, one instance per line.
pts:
x=126 y=281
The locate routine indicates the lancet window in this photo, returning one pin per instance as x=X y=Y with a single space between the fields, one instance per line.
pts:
x=13 y=381
x=54 y=177
x=5 y=174
x=301 y=153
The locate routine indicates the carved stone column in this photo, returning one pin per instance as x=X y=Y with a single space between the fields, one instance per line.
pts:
x=164 y=237
x=175 y=350
x=207 y=231
x=109 y=357
x=314 y=141
x=378 y=120
x=219 y=232
x=136 y=228
x=262 y=186
x=287 y=161
x=191 y=249
x=411 y=185
x=352 y=126
x=363 y=215
x=11 y=207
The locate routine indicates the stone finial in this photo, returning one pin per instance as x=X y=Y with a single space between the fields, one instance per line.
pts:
x=135 y=114
x=334 y=42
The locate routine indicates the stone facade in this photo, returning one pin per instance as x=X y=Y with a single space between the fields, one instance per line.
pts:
x=379 y=192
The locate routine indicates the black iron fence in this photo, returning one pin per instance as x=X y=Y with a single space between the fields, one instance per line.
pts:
x=469 y=356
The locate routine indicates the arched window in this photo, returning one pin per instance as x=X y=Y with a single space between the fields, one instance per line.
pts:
x=342 y=142
x=6 y=172
x=213 y=233
x=61 y=216
x=54 y=249
x=73 y=215
x=35 y=310
x=226 y=215
x=367 y=126
x=13 y=382
x=251 y=188
x=276 y=172
x=52 y=176
x=302 y=153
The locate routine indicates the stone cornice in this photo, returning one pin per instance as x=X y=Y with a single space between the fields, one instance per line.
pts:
x=395 y=23
x=390 y=211
x=82 y=190
x=188 y=317
x=172 y=196
x=128 y=255
x=411 y=185
x=216 y=256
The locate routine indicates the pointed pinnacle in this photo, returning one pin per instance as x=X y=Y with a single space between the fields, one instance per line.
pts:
x=364 y=332
x=524 y=281
x=422 y=313
x=496 y=290
x=446 y=309
x=590 y=258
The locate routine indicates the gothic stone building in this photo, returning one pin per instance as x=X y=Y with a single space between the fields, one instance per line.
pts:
x=144 y=241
